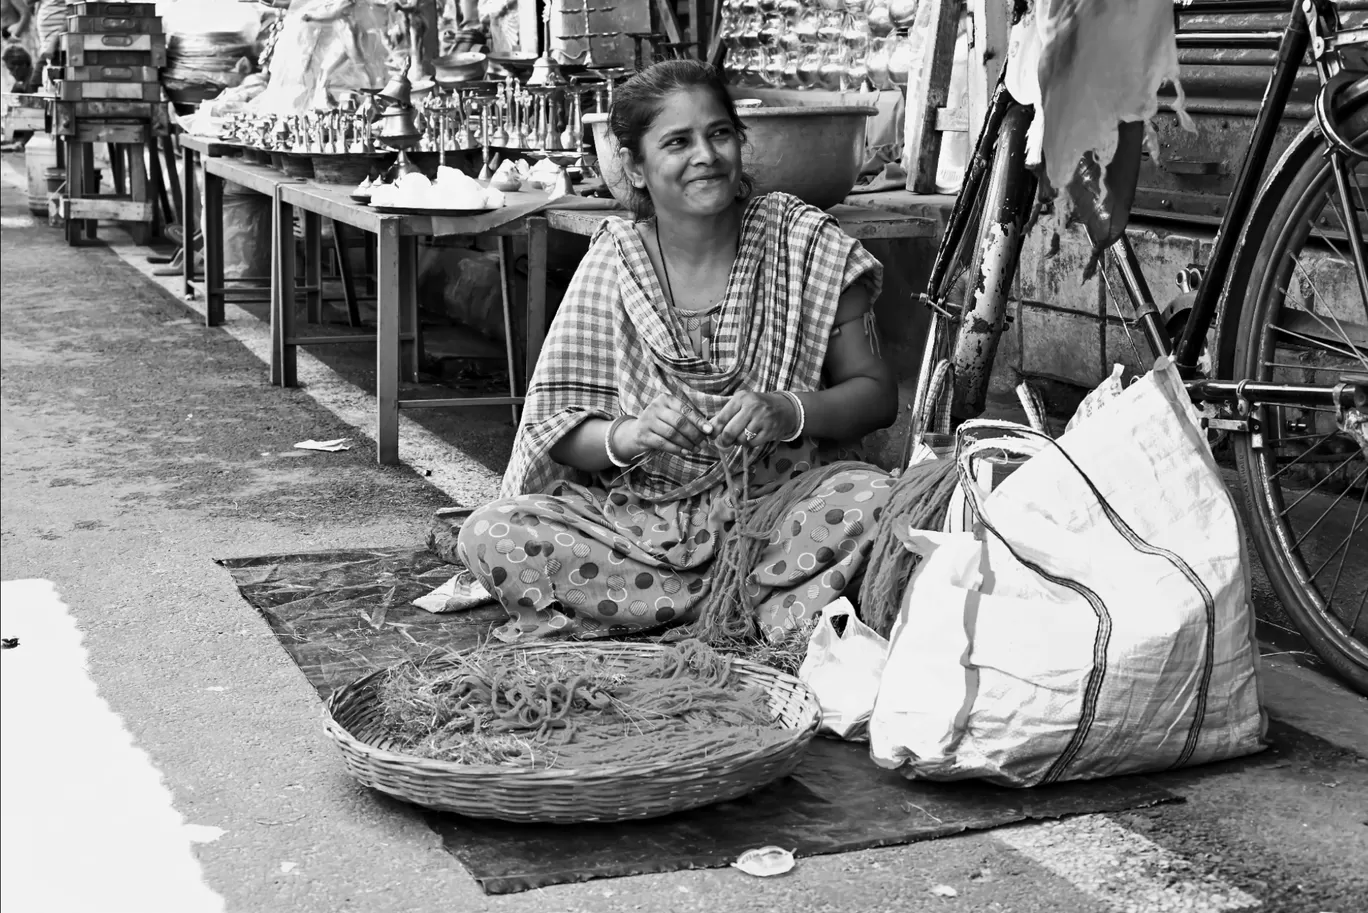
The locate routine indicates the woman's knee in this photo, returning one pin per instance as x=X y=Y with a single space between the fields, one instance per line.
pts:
x=485 y=525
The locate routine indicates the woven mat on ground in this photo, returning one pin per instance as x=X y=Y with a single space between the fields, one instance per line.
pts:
x=343 y=614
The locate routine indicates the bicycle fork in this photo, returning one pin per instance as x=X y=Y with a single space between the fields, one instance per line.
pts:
x=1000 y=161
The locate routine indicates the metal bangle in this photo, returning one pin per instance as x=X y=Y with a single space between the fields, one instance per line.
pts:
x=802 y=416
x=608 y=443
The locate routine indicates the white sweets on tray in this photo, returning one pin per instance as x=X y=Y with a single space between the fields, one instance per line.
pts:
x=453 y=190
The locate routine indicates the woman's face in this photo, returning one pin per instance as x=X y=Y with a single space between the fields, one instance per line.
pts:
x=690 y=157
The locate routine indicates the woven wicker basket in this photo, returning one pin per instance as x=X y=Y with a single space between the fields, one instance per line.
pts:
x=643 y=788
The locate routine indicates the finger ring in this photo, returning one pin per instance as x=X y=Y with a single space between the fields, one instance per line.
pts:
x=749 y=435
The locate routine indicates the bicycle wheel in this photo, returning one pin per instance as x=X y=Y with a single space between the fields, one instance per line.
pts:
x=1305 y=320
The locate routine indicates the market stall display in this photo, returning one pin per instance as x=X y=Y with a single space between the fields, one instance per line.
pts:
x=836 y=45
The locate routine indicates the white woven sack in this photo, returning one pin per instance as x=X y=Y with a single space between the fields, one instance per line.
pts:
x=1103 y=625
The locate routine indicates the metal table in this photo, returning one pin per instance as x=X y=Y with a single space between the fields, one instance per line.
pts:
x=396 y=294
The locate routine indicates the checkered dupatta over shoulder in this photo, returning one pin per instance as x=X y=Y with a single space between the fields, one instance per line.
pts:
x=615 y=345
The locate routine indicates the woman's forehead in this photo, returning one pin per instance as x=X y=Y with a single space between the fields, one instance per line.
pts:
x=685 y=108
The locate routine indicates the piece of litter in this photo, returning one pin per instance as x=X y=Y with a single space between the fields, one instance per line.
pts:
x=944 y=890
x=342 y=443
x=9 y=643
x=216 y=688
x=458 y=594
x=203 y=833
x=287 y=867
x=765 y=862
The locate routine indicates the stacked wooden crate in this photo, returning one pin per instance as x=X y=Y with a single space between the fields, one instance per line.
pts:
x=110 y=93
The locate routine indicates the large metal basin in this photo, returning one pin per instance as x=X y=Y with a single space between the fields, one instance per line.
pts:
x=813 y=152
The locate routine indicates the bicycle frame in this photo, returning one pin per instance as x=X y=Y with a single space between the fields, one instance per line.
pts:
x=986 y=307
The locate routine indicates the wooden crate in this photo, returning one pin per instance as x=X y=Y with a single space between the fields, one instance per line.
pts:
x=154 y=58
x=77 y=45
x=70 y=117
x=114 y=25
x=111 y=73
x=121 y=91
x=112 y=9
x=114 y=209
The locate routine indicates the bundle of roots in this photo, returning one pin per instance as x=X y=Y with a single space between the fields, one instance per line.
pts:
x=571 y=711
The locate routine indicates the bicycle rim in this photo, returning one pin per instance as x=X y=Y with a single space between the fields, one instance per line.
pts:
x=1305 y=481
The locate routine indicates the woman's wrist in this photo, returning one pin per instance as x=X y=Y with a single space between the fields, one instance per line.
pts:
x=799 y=416
x=622 y=451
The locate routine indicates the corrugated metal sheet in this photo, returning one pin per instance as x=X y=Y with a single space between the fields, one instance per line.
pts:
x=1195 y=171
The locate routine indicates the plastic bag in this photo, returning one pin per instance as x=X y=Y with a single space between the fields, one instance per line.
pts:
x=844 y=671
x=1102 y=626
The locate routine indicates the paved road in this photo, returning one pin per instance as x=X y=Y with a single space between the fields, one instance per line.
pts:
x=138 y=447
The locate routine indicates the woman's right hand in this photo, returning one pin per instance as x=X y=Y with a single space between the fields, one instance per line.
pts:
x=667 y=425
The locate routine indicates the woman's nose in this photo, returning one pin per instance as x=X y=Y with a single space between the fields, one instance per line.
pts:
x=705 y=152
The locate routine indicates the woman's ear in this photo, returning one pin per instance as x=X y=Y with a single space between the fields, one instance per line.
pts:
x=636 y=176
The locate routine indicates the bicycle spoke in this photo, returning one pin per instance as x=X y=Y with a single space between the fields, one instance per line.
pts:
x=1293 y=437
x=1292 y=367
x=1342 y=175
x=1325 y=513
x=1306 y=453
x=1315 y=292
x=1309 y=492
x=1321 y=343
x=1358 y=525
x=1330 y=600
x=1363 y=600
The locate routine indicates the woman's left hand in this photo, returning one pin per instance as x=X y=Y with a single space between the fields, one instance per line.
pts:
x=754 y=419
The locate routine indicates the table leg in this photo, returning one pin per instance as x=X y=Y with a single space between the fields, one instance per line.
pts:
x=167 y=147
x=313 y=266
x=213 y=250
x=75 y=189
x=141 y=232
x=283 y=351
x=188 y=216
x=536 y=296
x=92 y=188
x=506 y=299
x=408 y=266
x=389 y=299
x=344 y=267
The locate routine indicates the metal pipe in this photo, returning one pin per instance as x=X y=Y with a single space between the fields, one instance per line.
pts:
x=1233 y=40
x=1347 y=395
x=1230 y=7
x=1290 y=55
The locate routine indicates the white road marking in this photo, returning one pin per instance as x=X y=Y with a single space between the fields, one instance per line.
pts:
x=87 y=822
x=1122 y=869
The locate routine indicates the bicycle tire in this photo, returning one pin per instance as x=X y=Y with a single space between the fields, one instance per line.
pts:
x=1265 y=348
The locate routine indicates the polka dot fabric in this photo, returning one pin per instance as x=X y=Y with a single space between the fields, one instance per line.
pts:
x=593 y=563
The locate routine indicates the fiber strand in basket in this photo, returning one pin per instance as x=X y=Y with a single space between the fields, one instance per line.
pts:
x=504 y=708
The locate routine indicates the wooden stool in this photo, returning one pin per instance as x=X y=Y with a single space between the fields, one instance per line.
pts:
x=130 y=129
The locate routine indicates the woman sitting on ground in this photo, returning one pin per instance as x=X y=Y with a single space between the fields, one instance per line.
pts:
x=721 y=340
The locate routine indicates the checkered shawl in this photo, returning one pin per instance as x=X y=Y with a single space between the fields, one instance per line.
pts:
x=615 y=344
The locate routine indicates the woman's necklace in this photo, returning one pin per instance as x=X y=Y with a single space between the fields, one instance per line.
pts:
x=665 y=269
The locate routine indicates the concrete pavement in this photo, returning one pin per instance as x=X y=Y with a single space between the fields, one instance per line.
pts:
x=138 y=446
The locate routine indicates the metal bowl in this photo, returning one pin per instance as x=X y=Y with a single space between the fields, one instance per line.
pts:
x=458 y=68
x=814 y=152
